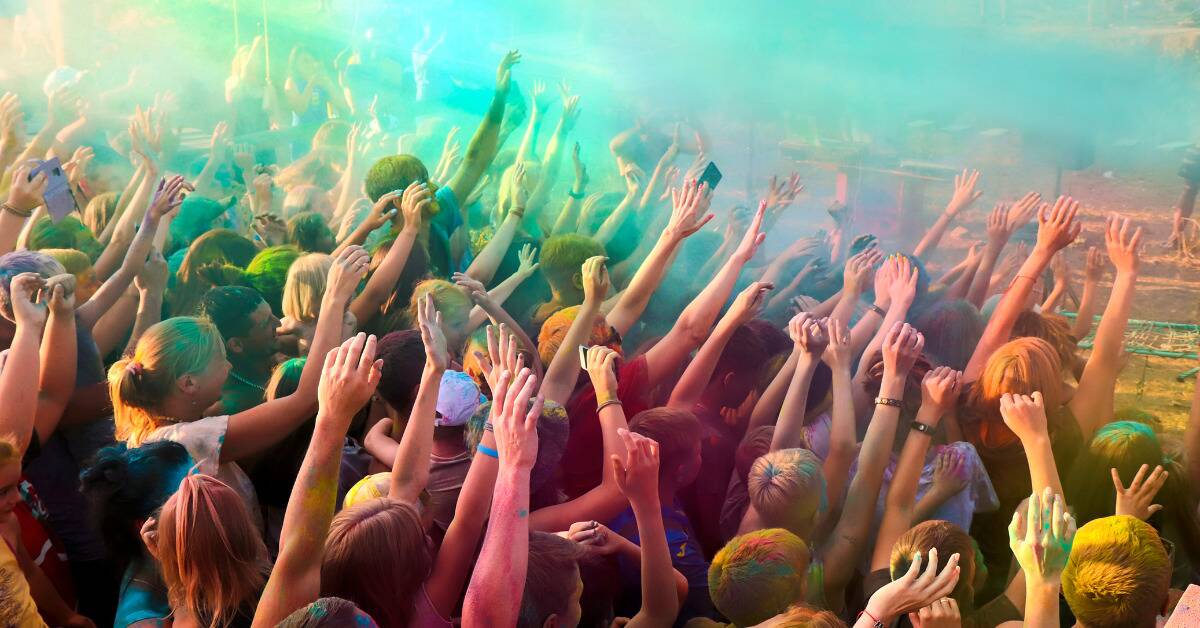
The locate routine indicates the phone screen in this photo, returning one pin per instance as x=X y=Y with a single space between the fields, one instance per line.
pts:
x=711 y=176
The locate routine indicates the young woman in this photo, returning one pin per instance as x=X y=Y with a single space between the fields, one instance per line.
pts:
x=179 y=368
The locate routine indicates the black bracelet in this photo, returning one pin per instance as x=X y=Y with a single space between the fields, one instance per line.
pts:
x=574 y=195
x=923 y=428
x=878 y=310
x=884 y=401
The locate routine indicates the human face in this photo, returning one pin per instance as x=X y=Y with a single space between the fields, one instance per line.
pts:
x=207 y=385
x=261 y=341
x=10 y=477
x=574 y=611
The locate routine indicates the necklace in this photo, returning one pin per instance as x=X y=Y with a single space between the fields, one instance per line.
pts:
x=246 y=381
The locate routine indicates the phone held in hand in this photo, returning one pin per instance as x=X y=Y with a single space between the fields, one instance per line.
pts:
x=583 y=356
x=58 y=198
x=711 y=176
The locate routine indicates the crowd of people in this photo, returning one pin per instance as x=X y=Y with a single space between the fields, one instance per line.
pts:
x=538 y=401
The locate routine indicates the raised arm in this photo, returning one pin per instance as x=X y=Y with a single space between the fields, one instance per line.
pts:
x=633 y=184
x=167 y=200
x=1041 y=541
x=348 y=379
x=860 y=269
x=528 y=148
x=24 y=196
x=638 y=481
x=843 y=442
x=900 y=351
x=564 y=367
x=151 y=285
x=689 y=215
x=1087 y=300
x=552 y=161
x=485 y=143
x=693 y=325
x=18 y=379
x=260 y=427
x=1062 y=283
x=58 y=355
x=810 y=336
x=410 y=470
x=964 y=196
x=568 y=219
x=483 y=267
x=1092 y=403
x=382 y=282
x=1056 y=229
x=124 y=225
x=494 y=594
x=939 y=393
x=695 y=378
x=1001 y=224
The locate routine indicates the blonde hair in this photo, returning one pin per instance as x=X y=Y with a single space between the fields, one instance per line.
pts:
x=99 y=211
x=305 y=286
x=75 y=261
x=454 y=306
x=139 y=384
x=787 y=489
x=1118 y=573
x=211 y=555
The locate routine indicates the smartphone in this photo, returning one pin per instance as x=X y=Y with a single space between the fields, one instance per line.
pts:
x=58 y=198
x=711 y=176
x=583 y=356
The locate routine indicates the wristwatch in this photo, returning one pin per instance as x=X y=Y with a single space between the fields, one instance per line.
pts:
x=922 y=428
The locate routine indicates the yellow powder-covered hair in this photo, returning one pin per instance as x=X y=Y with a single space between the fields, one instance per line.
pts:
x=787 y=489
x=1118 y=573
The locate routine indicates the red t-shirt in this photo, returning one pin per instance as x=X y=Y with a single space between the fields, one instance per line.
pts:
x=583 y=460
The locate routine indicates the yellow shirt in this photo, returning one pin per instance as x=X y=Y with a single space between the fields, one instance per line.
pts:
x=17 y=607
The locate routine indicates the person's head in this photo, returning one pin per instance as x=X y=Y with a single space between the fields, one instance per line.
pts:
x=305 y=287
x=328 y=612
x=756 y=442
x=948 y=539
x=951 y=328
x=394 y=172
x=552 y=583
x=758 y=575
x=10 y=475
x=68 y=233
x=23 y=261
x=1053 y=329
x=554 y=330
x=79 y=265
x=1019 y=366
x=214 y=248
x=303 y=64
x=305 y=199
x=1118 y=574
x=403 y=356
x=211 y=555
x=100 y=210
x=246 y=322
x=801 y=616
x=738 y=368
x=308 y=232
x=377 y=556
x=127 y=486
x=677 y=433
x=787 y=490
x=176 y=372
x=454 y=306
x=561 y=261
x=267 y=273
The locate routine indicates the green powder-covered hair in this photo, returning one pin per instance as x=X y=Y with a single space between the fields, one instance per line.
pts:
x=394 y=172
x=267 y=273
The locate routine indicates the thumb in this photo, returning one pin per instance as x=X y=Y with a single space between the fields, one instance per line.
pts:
x=1153 y=509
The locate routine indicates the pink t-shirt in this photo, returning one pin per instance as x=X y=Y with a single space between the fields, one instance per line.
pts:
x=425 y=615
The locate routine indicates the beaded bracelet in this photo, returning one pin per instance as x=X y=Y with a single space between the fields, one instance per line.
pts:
x=895 y=403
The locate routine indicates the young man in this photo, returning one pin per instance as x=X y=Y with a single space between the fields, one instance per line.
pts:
x=562 y=256
x=1118 y=574
x=249 y=328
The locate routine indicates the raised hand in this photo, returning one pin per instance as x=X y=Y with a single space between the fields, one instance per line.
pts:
x=917 y=588
x=415 y=204
x=748 y=305
x=858 y=271
x=837 y=354
x=754 y=236
x=502 y=356
x=1041 y=539
x=965 y=193
x=1137 y=500
x=810 y=335
x=243 y=156
x=637 y=479
x=1094 y=271
x=950 y=473
x=781 y=194
x=1056 y=225
x=429 y=321
x=1022 y=211
x=538 y=96
x=940 y=388
x=348 y=379
x=60 y=294
x=515 y=427
x=76 y=168
x=348 y=269
x=998 y=232
x=943 y=613
x=689 y=211
x=1025 y=415
x=504 y=71
x=581 y=175
x=28 y=299
x=154 y=274
x=594 y=537
x=169 y=196
x=25 y=194
x=520 y=193
x=218 y=151
x=903 y=288
x=1122 y=242
x=527 y=260
x=596 y=283
x=384 y=210
x=602 y=371
x=901 y=347
x=570 y=113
